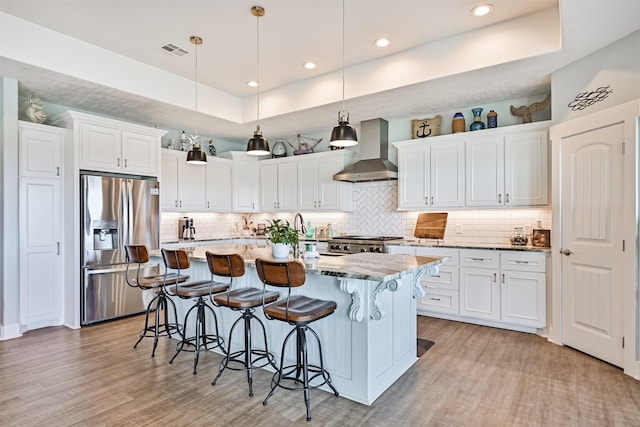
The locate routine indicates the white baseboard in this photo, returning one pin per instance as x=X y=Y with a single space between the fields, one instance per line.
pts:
x=8 y=332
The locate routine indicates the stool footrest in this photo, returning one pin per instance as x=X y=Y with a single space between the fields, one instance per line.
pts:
x=289 y=374
x=263 y=359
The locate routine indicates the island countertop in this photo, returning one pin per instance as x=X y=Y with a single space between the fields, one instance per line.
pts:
x=365 y=266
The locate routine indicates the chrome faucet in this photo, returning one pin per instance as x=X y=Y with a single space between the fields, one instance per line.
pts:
x=302 y=230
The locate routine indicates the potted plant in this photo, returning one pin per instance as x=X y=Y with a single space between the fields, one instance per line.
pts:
x=281 y=236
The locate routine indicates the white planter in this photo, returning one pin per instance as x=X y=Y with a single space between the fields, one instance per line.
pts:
x=280 y=250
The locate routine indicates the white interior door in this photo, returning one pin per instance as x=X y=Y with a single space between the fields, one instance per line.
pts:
x=592 y=242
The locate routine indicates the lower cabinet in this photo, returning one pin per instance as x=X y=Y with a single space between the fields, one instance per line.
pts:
x=492 y=287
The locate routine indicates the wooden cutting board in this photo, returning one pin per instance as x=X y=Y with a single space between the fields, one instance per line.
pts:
x=431 y=225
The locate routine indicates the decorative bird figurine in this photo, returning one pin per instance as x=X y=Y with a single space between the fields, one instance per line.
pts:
x=525 y=112
x=34 y=110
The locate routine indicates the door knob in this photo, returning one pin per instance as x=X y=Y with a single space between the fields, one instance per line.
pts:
x=566 y=252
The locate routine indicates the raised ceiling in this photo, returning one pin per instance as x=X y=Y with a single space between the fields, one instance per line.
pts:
x=105 y=56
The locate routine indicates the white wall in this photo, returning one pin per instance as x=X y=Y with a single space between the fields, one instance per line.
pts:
x=617 y=66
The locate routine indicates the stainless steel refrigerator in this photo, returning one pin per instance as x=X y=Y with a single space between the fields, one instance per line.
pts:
x=115 y=211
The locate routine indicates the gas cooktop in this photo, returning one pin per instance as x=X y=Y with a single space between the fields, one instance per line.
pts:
x=370 y=238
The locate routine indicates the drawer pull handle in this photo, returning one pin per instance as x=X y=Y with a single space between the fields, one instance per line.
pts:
x=478 y=259
x=521 y=262
x=434 y=299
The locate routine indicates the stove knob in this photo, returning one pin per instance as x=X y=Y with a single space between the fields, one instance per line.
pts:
x=345 y=248
x=371 y=249
x=363 y=250
x=379 y=250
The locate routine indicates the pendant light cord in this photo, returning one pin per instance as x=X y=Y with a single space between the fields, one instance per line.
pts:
x=197 y=136
x=258 y=67
x=342 y=55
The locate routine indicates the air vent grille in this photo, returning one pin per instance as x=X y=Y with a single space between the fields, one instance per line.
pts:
x=174 y=49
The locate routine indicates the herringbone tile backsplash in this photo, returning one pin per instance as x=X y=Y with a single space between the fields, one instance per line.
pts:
x=376 y=213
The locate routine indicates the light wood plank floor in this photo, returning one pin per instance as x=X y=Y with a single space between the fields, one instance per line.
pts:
x=472 y=376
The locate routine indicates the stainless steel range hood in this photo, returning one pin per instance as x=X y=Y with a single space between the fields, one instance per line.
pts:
x=373 y=147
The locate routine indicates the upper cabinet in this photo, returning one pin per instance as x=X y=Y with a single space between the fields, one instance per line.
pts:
x=40 y=150
x=108 y=145
x=508 y=169
x=218 y=185
x=246 y=192
x=316 y=188
x=278 y=184
x=182 y=185
x=431 y=175
x=490 y=168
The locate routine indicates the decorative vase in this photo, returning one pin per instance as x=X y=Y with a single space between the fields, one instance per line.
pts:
x=280 y=250
x=458 y=123
x=519 y=239
x=477 y=123
x=492 y=119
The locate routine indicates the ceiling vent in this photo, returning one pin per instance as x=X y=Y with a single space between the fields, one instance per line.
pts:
x=174 y=50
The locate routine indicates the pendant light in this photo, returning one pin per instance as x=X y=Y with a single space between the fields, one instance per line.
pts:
x=343 y=135
x=258 y=145
x=196 y=156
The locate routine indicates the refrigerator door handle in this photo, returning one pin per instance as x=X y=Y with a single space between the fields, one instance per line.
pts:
x=107 y=270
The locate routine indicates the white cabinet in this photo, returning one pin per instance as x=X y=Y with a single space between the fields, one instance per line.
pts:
x=441 y=291
x=108 y=145
x=508 y=169
x=506 y=286
x=40 y=150
x=316 y=188
x=246 y=191
x=182 y=185
x=278 y=185
x=218 y=184
x=431 y=174
x=40 y=224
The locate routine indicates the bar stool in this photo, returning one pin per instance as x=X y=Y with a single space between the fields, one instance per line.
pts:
x=244 y=300
x=177 y=259
x=138 y=254
x=299 y=311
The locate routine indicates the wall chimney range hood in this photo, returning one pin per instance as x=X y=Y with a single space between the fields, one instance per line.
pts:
x=374 y=153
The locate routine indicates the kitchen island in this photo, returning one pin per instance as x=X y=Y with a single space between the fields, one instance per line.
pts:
x=370 y=340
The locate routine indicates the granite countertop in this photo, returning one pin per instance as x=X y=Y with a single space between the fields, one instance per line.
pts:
x=366 y=266
x=425 y=243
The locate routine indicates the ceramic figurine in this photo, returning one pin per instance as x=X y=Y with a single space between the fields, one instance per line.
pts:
x=34 y=110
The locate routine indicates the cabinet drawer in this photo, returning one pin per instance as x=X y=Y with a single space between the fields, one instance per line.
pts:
x=523 y=261
x=453 y=254
x=480 y=259
x=441 y=300
x=447 y=278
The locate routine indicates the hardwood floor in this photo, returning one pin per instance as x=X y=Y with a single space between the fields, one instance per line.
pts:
x=472 y=376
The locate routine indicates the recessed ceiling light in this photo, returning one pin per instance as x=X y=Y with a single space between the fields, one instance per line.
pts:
x=481 y=9
x=252 y=84
x=309 y=65
x=382 y=42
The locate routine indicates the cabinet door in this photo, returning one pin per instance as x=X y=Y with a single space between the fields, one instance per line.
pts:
x=169 y=180
x=40 y=222
x=523 y=298
x=218 y=185
x=414 y=177
x=526 y=175
x=100 y=148
x=40 y=150
x=287 y=185
x=479 y=293
x=140 y=153
x=447 y=174
x=308 y=176
x=245 y=183
x=330 y=192
x=485 y=171
x=268 y=186
x=191 y=186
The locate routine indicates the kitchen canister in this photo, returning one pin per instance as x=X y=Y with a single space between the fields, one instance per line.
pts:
x=458 y=123
x=492 y=119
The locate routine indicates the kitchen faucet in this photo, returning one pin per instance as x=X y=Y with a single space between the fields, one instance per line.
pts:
x=302 y=230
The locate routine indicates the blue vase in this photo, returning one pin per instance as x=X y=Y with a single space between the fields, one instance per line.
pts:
x=477 y=123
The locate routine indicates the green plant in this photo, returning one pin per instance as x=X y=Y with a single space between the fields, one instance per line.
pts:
x=280 y=231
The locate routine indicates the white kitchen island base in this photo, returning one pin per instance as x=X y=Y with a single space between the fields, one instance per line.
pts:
x=368 y=342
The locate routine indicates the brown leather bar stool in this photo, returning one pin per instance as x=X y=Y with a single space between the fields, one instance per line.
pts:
x=138 y=254
x=299 y=311
x=178 y=260
x=244 y=300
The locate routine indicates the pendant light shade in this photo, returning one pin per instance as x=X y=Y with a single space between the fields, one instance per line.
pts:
x=343 y=135
x=196 y=156
x=258 y=145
